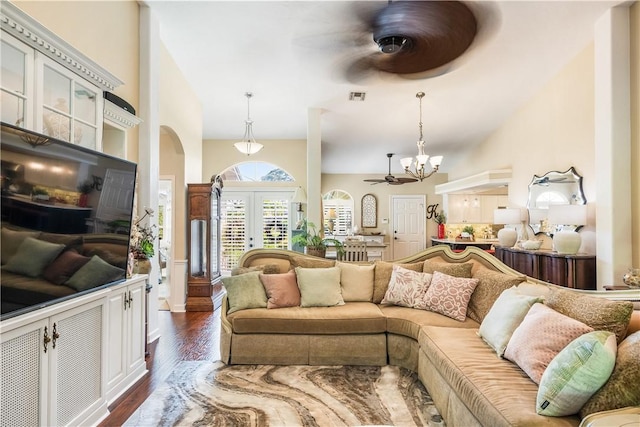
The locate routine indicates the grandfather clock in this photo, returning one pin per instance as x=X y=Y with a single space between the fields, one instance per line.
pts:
x=204 y=290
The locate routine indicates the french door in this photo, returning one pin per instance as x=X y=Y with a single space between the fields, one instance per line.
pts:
x=253 y=219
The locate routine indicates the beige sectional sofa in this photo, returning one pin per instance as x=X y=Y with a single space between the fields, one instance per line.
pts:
x=469 y=383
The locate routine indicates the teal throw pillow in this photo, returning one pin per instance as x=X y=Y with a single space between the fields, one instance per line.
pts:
x=245 y=291
x=576 y=373
x=504 y=317
x=319 y=287
x=32 y=257
x=11 y=241
x=94 y=273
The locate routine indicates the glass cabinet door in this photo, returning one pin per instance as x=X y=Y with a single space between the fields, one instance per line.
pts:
x=16 y=64
x=198 y=254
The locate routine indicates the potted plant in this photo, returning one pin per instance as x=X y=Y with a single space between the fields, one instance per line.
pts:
x=315 y=242
x=441 y=220
x=143 y=238
x=467 y=232
x=85 y=188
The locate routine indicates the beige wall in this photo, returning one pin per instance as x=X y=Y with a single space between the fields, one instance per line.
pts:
x=106 y=32
x=635 y=133
x=172 y=164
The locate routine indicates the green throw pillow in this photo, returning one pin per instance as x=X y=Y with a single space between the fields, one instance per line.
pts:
x=319 y=287
x=245 y=291
x=576 y=373
x=505 y=316
x=32 y=257
x=11 y=241
x=94 y=273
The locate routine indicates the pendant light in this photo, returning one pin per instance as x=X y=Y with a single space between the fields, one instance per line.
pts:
x=421 y=159
x=248 y=145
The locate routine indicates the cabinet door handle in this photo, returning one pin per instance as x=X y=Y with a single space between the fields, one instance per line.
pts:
x=130 y=299
x=125 y=301
x=46 y=338
x=55 y=335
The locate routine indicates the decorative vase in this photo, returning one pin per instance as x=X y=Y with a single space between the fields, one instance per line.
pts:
x=83 y=201
x=441 y=231
x=319 y=252
x=632 y=278
x=142 y=266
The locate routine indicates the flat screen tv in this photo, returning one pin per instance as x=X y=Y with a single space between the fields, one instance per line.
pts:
x=66 y=220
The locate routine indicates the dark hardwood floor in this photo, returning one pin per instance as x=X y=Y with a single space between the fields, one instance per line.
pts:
x=184 y=336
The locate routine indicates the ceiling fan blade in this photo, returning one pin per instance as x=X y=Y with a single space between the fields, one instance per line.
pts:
x=375 y=181
x=406 y=180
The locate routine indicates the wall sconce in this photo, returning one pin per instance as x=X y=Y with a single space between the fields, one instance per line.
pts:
x=567 y=240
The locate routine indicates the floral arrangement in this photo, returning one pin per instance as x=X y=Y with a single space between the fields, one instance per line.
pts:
x=143 y=237
x=440 y=218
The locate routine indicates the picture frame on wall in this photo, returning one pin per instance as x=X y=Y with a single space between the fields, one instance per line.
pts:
x=369 y=211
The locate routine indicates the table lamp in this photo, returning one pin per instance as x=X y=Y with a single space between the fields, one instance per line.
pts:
x=299 y=198
x=567 y=240
x=507 y=236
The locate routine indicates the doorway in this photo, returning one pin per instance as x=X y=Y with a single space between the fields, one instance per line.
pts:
x=408 y=215
x=253 y=219
x=166 y=186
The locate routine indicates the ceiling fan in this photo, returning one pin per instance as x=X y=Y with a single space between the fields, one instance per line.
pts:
x=417 y=36
x=390 y=179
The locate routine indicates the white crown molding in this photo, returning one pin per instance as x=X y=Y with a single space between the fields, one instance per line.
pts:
x=26 y=29
x=119 y=116
x=480 y=182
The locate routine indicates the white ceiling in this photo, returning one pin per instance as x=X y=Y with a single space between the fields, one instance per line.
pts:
x=294 y=55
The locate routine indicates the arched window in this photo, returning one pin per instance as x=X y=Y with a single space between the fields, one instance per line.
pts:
x=256 y=172
x=337 y=207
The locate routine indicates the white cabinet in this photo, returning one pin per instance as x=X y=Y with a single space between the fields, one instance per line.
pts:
x=125 y=337
x=52 y=367
x=61 y=365
x=473 y=208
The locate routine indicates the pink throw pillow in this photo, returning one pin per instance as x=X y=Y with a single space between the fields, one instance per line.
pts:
x=449 y=295
x=540 y=337
x=406 y=287
x=282 y=289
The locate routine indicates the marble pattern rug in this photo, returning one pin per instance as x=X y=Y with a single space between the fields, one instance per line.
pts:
x=215 y=394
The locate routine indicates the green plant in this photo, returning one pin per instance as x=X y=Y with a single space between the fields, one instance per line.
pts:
x=39 y=191
x=86 y=187
x=311 y=238
x=143 y=237
x=468 y=229
x=440 y=218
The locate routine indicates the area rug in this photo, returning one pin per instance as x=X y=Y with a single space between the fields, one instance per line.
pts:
x=215 y=394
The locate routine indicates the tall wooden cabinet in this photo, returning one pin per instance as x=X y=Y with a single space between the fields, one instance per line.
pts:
x=573 y=271
x=204 y=290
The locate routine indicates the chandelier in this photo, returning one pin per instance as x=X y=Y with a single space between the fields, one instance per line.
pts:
x=248 y=145
x=422 y=158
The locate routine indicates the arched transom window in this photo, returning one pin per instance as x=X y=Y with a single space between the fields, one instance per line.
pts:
x=256 y=172
x=337 y=207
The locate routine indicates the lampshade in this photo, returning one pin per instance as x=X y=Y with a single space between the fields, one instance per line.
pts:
x=506 y=216
x=568 y=214
x=248 y=145
x=300 y=196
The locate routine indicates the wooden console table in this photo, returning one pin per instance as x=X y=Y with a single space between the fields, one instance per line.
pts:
x=573 y=271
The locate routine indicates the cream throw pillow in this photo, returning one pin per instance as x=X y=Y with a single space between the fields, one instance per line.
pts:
x=504 y=317
x=356 y=281
x=245 y=291
x=407 y=288
x=540 y=337
x=319 y=287
x=576 y=373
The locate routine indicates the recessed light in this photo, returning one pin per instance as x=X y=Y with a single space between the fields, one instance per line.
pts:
x=357 y=96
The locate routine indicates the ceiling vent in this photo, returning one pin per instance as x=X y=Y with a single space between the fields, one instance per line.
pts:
x=357 y=96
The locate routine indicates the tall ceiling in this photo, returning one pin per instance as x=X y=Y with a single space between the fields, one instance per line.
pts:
x=297 y=55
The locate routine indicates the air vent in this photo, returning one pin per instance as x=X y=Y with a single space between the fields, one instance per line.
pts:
x=357 y=96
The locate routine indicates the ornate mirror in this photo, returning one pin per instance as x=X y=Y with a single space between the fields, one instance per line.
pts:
x=552 y=188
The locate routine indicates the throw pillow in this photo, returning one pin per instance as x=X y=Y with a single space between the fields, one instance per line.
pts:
x=32 y=257
x=407 y=288
x=542 y=334
x=244 y=291
x=94 y=273
x=599 y=313
x=282 y=289
x=108 y=256
x=450 y=268
x=306 y=262
x=265 y=269
x=71 y=241
x=319 y=287
x=382 y=277
x=622 y=389
x=491 y=285
x=11 y=241
x=576 y=373
x=449 y=295
x=356 y=281
x=505 y=316
x=63 y=267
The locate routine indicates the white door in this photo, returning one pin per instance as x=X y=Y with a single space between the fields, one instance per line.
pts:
x=253 y=219
x=408 y=215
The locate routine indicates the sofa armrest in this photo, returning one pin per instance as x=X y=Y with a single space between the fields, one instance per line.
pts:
x=616 y=417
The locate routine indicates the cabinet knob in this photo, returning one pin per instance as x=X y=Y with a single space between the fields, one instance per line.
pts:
x=46 y=339
x=55 y=335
